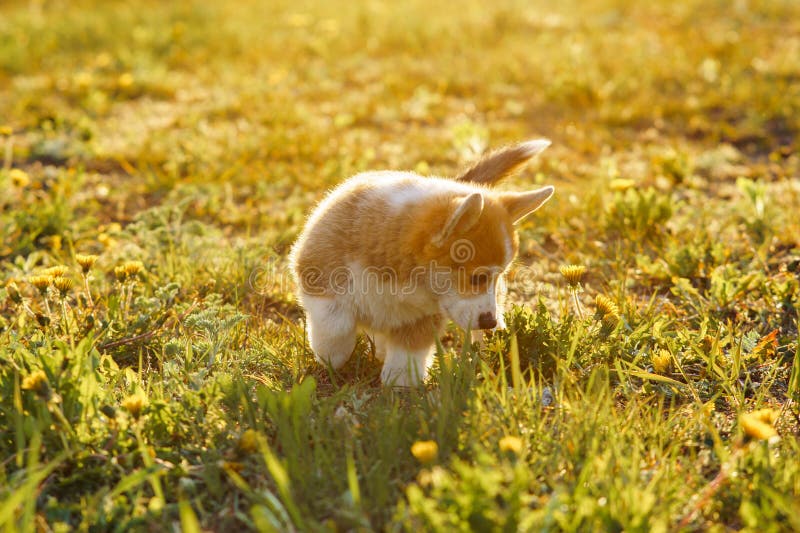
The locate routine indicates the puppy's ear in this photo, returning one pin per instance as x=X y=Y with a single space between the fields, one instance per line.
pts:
x=521 y=204
x=465 y=214
x=503 y=162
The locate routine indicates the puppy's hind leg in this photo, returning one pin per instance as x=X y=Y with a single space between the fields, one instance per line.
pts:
x=331 y=329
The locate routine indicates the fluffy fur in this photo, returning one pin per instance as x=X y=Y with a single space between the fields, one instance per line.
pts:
x=396 y=254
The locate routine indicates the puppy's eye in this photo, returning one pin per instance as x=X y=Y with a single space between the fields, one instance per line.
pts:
x=480 y=278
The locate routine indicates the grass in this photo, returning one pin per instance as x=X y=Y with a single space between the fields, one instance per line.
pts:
x=169 y=384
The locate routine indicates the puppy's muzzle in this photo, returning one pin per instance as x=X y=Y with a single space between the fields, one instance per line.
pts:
x=486 y=321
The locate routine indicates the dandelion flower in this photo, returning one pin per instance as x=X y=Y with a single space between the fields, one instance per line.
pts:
x=41 y=282
x=662 y=361
x=125 y=80
x=63 y=285
x=511 y=444
x=768 y=416
x=609 y=323
x=55 y=242
x=6 y=130
x=605 y=305
x=103 y=60
x=56 y=271
x=128 y=270
x=119 y=273
x=759 y=424
x=134 y=405
x=425 y=451
x=106 y=240
x=621 y=184
x=37 y=382
x=573 y=274
x=248 y=441
x=19 y=177
x=13 y=292
x=86 y=262
x=132 y=268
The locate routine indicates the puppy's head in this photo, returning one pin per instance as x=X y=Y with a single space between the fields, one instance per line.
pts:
x=473 y=245
x=474 y=239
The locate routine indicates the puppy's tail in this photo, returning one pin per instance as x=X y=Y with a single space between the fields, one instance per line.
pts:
x=503 y=162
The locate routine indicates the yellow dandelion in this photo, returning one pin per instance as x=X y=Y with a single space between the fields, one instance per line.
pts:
x=6 y=130
x=125 y=80
x=248 y=441
x=132 y=268
x=37 y=382
x=662 y=361
x=103 y=60
x=63 y=285
x=621 y=184
x=511 y=444
x=19 y=178
x=55 y=242
x=573 y=274
x=13 y=292
x=605 y=305
x=56 y=271
x=106 y=240
x=425 y=451
x=119 y=273
x=134 y=405
x=85 y=261
x=768 y=416
x=83 y=79
x=609 y=323
x=41 y=282
x=128 y=270
x=759 y=424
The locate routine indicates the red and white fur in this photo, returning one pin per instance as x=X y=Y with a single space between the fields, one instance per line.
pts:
x=395 y=254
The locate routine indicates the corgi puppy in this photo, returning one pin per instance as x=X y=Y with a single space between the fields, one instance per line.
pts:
x=395 y=254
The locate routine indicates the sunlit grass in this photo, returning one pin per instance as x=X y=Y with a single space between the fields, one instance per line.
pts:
x=158 y=159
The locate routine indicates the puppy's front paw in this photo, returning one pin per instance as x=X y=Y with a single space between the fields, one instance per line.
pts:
x=405 y=367
x=400 y=377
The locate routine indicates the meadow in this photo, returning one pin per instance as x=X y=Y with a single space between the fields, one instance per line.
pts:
x=157 y=160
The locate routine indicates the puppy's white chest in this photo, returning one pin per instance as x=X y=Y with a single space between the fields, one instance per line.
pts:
x=381 y=301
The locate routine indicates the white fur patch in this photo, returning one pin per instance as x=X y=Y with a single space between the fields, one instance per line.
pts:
x=382 y=301
x=329 y=312
x=465 y=311
x=399 y=189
